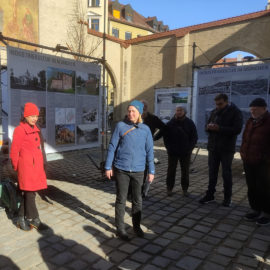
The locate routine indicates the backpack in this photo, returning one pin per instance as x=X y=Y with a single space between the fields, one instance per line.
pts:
x=10 y=197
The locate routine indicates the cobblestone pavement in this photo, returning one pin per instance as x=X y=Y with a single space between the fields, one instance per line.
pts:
x=180 y=233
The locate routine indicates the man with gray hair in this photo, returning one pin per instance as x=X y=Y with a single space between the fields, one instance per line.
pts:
x=180 y=137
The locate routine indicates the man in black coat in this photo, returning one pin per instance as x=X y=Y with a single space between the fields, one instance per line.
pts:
x=180 y=137
x=224 y=124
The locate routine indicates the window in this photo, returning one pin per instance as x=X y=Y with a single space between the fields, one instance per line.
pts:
x=127 y=35
x=129 y=17
x=115 y=32
x=93 y=3
x=95 y=24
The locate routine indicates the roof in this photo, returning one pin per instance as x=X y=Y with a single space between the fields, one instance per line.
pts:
x=180 y=32
x=138 y=20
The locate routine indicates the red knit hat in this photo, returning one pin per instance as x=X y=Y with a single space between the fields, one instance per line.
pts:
x=30 y=109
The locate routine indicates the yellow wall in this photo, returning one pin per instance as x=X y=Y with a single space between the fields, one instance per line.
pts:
x=127 y=28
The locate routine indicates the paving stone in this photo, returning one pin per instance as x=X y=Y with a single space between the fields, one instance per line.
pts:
x=233 y=243
x=186 y=222
x=258 y=244
x=141 y=256
x=227 y=251
x=204 y=246
x=153 y=249
x=117 y=256
x=162 y=241
x=220 y=259
x=151 y=267
x=128 y=248
x=211 y=266
x=77 y=265
x=195 y=234
x=201 y=254
x=202 y=229
x=188 y=263
x=241 y=267
x=211 y=240
x=244 y=260
x=129 y=265
x=225 y=228
x=252 y=252
x=172 y=254
x=102 y=265
x=62 y=258
x=219 y=234
x=170 y=235
x=239 y=236
x=161 y=262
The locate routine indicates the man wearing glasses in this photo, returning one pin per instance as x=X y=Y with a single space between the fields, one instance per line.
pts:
x=223 y=126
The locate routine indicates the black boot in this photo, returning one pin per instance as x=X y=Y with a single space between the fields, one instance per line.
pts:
x=122 y=234
x=136 y=221
x=23 y=224
x=37 y=224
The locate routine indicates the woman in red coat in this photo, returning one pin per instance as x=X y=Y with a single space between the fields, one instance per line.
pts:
x=27 y=159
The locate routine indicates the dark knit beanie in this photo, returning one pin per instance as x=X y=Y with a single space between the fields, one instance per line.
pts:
x=258 y=102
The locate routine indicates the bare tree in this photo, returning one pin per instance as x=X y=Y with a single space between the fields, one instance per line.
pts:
x=79 y=40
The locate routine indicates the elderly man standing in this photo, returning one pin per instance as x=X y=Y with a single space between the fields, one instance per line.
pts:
x=255 y=153
x=224 y=124
x=180 y=137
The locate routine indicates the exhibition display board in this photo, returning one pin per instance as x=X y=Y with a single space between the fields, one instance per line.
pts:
x=241 y=83
x=167 y=99
x=66 y=91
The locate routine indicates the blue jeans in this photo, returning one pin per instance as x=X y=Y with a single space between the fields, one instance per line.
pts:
x=123 y=179
x=214 y=160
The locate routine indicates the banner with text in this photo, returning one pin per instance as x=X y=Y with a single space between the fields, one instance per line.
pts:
x=242 y=84
x=67 y=93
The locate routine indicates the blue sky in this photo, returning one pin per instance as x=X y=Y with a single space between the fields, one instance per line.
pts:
x=181 y=13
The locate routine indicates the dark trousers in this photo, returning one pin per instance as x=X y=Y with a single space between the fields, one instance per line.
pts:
x=214 y=161
x=171 y=172
x=123 y=179
x=258 y=183
x=28 y=207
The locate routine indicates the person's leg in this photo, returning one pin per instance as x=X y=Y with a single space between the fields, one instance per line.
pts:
x=171 y=171
x=21 y=211
x=122 y=183
x=263 y=175
x=31 y=211
x=184 y=164
x=144 y=185
x=213 y=164
x=226 y=163
x=22 y=223
x=252 y=185
x=136 y=182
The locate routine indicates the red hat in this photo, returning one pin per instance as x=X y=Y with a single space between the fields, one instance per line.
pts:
x=30 y=109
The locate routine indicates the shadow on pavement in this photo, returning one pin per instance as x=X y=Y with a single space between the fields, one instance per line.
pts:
x=55 y=194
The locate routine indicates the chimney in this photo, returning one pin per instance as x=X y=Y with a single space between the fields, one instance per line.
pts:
x=268 y=5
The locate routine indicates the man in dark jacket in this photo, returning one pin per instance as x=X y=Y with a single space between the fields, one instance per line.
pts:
x=151 y=120
x=255 y=153
x=224 y=124
x=180 y=137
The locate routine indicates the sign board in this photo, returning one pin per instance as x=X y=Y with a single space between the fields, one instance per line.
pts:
x=167 y=99
x=242 y=84
x=67 y=93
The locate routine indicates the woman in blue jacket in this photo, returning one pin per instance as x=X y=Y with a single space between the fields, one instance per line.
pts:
x=130 y=148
